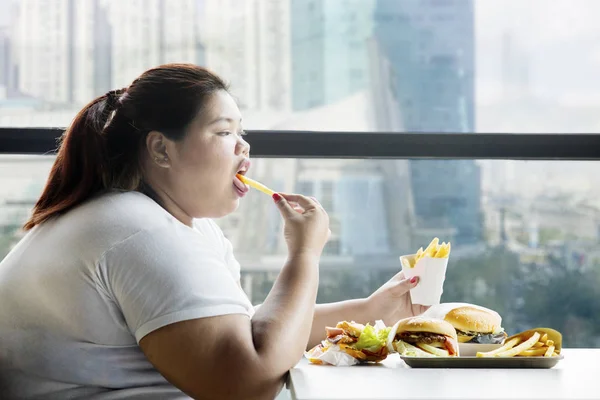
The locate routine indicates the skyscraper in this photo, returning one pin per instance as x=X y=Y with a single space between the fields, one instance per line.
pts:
x=45 y=49
x=91 y=51
x=329 y=50
x=249 y=43
x=63 y=50
x=430 y=46
x=147 y=33
x=5 y=65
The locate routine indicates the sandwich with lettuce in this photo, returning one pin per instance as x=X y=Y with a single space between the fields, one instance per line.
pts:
x=350 y=343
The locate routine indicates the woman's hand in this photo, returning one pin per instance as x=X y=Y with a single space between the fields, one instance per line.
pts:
x=391 y=302
x=306 y=228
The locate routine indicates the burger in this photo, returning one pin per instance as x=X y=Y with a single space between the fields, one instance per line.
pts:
x=423 y=337
x=473 y=324
x=365 y=343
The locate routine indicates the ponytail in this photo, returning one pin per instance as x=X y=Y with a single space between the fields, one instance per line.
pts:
x=80 y=169
x=103 y=148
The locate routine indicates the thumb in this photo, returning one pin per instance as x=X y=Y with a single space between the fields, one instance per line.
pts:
x=284 y=207
x=406 y=284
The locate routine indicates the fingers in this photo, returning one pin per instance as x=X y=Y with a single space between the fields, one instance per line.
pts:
x=399 y=276
x=297 y=208
x=285 y=208
x=305 y=202
x=406 y=284
x=301 y=210
x=317 y=201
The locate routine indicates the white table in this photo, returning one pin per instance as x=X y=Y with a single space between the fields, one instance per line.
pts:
x=577 y=376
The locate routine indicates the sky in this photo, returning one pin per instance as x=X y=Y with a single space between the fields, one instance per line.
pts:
x=558 y=41
x=4 y=12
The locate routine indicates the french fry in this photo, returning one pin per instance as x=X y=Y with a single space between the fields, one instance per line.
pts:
x=549 y=351
x=433 y=350
x=523 y=346
x=534 y=352
x=432 y=248
x=256 y=185
x=441 y=251
x=548 y=337
x=508 y=345
x=419 y=255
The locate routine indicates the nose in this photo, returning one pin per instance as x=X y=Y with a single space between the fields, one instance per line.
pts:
x=243 y=147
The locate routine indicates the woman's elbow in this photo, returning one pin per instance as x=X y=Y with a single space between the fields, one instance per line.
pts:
x=243 y=381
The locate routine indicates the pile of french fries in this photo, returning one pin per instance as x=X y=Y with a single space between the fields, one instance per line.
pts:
x=536 y=345
x=434 y=250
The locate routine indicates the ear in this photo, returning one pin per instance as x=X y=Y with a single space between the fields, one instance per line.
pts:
x=156 y=145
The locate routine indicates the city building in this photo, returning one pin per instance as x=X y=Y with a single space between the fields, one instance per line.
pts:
x=249 y=43
x=147 y=33
x=430 y=48
x=329 y=50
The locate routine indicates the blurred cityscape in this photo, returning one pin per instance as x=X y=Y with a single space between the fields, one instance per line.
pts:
x=525 y=235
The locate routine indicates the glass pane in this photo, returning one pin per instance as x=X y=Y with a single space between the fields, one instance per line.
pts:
x=525 y=235
x=350 y=65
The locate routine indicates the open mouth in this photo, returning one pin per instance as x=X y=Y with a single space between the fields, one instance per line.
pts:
x=240 y=186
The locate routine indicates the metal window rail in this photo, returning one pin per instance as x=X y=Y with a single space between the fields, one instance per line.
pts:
x=384 y=145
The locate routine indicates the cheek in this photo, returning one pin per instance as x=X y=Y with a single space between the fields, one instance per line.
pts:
x=209 y=164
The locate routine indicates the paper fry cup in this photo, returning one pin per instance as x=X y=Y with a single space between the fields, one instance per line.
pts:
x=431 y=273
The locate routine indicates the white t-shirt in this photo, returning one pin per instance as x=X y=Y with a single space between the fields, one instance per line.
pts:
x=79 y=292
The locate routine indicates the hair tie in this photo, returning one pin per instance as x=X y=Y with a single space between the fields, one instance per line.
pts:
x=113 y=97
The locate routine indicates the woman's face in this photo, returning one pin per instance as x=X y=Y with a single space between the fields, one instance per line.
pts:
x=199 y=177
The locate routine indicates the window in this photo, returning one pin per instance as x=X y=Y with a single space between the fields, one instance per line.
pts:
x=306 y=188
x=524 y=229
x=327 y=195
x=486 y=52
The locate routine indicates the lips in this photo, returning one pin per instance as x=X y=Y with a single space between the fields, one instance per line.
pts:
x=240 y=186
x=243 y=167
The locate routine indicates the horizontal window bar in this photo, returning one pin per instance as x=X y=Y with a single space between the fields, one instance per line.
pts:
x=299 y=144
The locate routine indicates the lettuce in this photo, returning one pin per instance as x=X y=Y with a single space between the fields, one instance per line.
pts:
x=372 y=339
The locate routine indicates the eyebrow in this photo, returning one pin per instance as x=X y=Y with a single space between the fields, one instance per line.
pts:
x=221 y=119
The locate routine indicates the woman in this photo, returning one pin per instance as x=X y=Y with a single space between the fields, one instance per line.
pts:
x=123 y=287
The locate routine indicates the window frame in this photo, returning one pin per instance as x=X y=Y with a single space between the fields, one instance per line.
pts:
x=377 y=145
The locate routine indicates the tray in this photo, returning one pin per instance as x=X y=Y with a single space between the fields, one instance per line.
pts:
x=482 y=362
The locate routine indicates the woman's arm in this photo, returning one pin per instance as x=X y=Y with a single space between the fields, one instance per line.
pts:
x=330 y=314
x=389 y=303
x=233 y=357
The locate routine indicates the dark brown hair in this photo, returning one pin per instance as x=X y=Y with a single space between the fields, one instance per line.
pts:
x=102 y=148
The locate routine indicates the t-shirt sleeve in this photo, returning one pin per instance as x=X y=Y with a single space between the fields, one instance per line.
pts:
x=159 y=277
x=232 y=263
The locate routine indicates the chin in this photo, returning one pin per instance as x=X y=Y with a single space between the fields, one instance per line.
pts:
x=226 y=209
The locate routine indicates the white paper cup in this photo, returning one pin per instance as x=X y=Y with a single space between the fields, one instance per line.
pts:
x=431 y=273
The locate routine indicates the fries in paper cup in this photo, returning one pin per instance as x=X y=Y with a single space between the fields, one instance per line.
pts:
x=430 y=266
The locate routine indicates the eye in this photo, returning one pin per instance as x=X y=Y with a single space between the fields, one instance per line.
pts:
x=242 y=133
x=226 y=133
